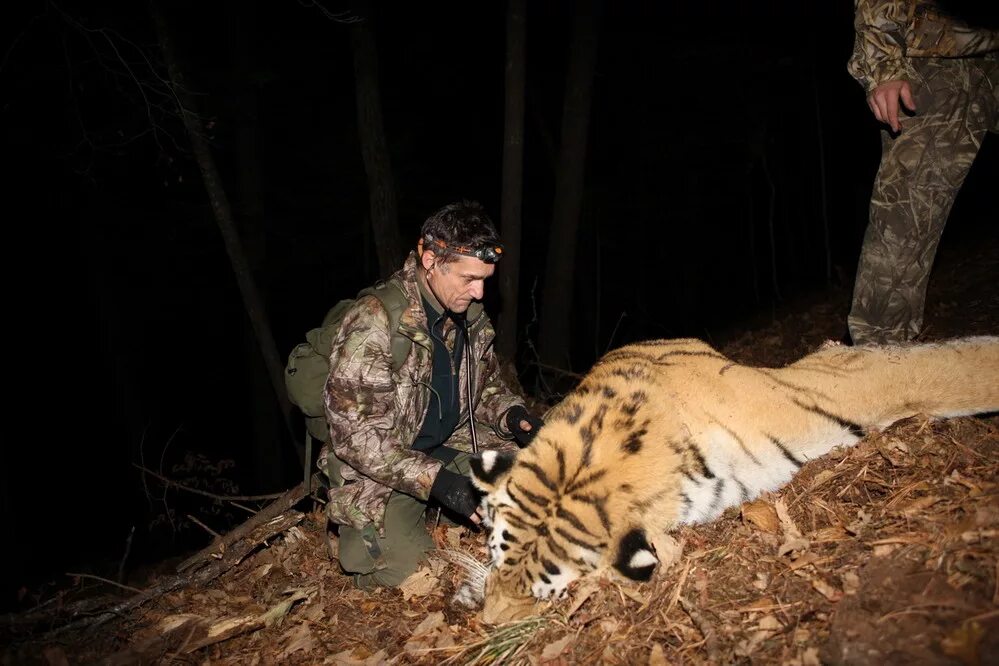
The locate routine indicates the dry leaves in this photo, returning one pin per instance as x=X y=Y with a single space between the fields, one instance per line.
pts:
x=793 y=540
x=420 y=583
x=762 y=514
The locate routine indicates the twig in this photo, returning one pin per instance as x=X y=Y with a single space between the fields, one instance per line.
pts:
x=233 y=556
x=105 y=580
x=124 y=558
x=710 y=640
x=203 y=526
x=275 y=508
x=610 y=340
x=205 y=493
x=247 y=509
x=556 y=370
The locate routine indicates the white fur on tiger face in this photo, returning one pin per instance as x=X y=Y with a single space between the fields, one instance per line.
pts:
x=670 y=431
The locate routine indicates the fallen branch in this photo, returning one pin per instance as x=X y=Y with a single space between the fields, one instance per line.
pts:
x=104 y=580
x=227 y=560
x=284 y=502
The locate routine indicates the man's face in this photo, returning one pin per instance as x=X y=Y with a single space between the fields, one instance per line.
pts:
x=457 y=283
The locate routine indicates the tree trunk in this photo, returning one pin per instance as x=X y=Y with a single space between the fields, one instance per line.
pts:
x=554 y=335
x=224 y=218
x=374 y=147
x=265 y=426
x=513 y=178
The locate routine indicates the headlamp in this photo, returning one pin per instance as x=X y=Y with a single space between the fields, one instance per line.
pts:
x=488 y=253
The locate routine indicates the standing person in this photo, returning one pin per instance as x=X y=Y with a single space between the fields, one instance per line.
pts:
x=401 y=435
x=945 y=73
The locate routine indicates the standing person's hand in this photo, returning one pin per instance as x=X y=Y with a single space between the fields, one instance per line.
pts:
x=884 y=100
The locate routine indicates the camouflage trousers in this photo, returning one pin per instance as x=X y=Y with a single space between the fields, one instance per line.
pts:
x=388 y=559
x=921 y=172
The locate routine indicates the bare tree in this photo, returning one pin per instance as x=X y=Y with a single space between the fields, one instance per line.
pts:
x=554 y=333
x=513 y=177
x=224 y=218
x=374 y=146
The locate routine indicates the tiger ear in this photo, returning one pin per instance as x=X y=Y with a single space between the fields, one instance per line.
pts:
x=489 y=468
x=636 y=559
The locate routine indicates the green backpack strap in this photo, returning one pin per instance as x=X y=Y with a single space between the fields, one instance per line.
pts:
x=395 y=301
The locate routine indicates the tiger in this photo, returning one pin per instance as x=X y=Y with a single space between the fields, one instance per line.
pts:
x=665 y=433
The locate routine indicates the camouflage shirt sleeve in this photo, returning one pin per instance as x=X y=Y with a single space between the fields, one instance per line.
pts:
x=879 y=49
x=362 y=409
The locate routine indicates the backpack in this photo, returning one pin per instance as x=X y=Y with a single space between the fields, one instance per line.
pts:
x=308 y=364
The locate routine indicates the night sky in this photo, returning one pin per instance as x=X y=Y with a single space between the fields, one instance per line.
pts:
x=130 y=329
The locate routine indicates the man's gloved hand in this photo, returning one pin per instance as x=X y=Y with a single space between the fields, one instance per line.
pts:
x=455 y=492
x=522 y=425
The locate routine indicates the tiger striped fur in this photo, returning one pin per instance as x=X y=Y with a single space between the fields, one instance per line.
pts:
x=668 y=432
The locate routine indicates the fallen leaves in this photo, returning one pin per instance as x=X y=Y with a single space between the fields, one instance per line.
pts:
x=793 y=539
x=762 y=514
x=420 y=583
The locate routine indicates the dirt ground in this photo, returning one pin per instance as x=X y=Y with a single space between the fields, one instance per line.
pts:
x=884 y=553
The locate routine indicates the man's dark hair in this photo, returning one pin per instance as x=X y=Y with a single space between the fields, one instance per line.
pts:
x=463 y=223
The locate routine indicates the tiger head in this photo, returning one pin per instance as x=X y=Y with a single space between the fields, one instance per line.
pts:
x=548 y=514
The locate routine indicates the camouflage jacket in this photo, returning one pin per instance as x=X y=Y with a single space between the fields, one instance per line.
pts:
x=889 y=32
x=375 y=414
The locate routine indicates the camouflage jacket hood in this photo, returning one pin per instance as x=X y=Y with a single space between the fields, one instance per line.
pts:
x=891 y=31
x=375 y=414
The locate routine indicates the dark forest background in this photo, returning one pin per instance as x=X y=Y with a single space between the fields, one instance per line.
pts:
x=725 y=174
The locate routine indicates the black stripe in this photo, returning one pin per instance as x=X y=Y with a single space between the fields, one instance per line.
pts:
x=571 y=413
x=593 y=547
x=571 y=518
x=541 y=474
x=738 y=439
x=538 y=500
x=508 y=536
x=550 y=567
x=854 y=428
x=648 y=502
x=557 y=549
x=783 y=449
x=560 y=457
x=660 y=360
x=585 y=481
x=696 y=450
x=519 y=523
x=521 y=505
x=719 y=486
x=743 y=490
x=686 y=504
x=599 y=505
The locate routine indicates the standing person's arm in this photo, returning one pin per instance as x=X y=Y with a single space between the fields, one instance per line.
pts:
x=878 y=62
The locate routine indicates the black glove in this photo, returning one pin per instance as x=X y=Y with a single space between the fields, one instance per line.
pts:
x=455 y=492
x=514 y=416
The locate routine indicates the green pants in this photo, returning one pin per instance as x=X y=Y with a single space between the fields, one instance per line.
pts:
x=386 y=560
x=922 y=169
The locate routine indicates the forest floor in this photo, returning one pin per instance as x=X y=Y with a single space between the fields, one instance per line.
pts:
x=886 y=552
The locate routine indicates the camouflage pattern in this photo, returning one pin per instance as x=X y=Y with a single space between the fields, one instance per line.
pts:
x=921 y=172
x=387 y=559
x=890 y=33
x=375 y=414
